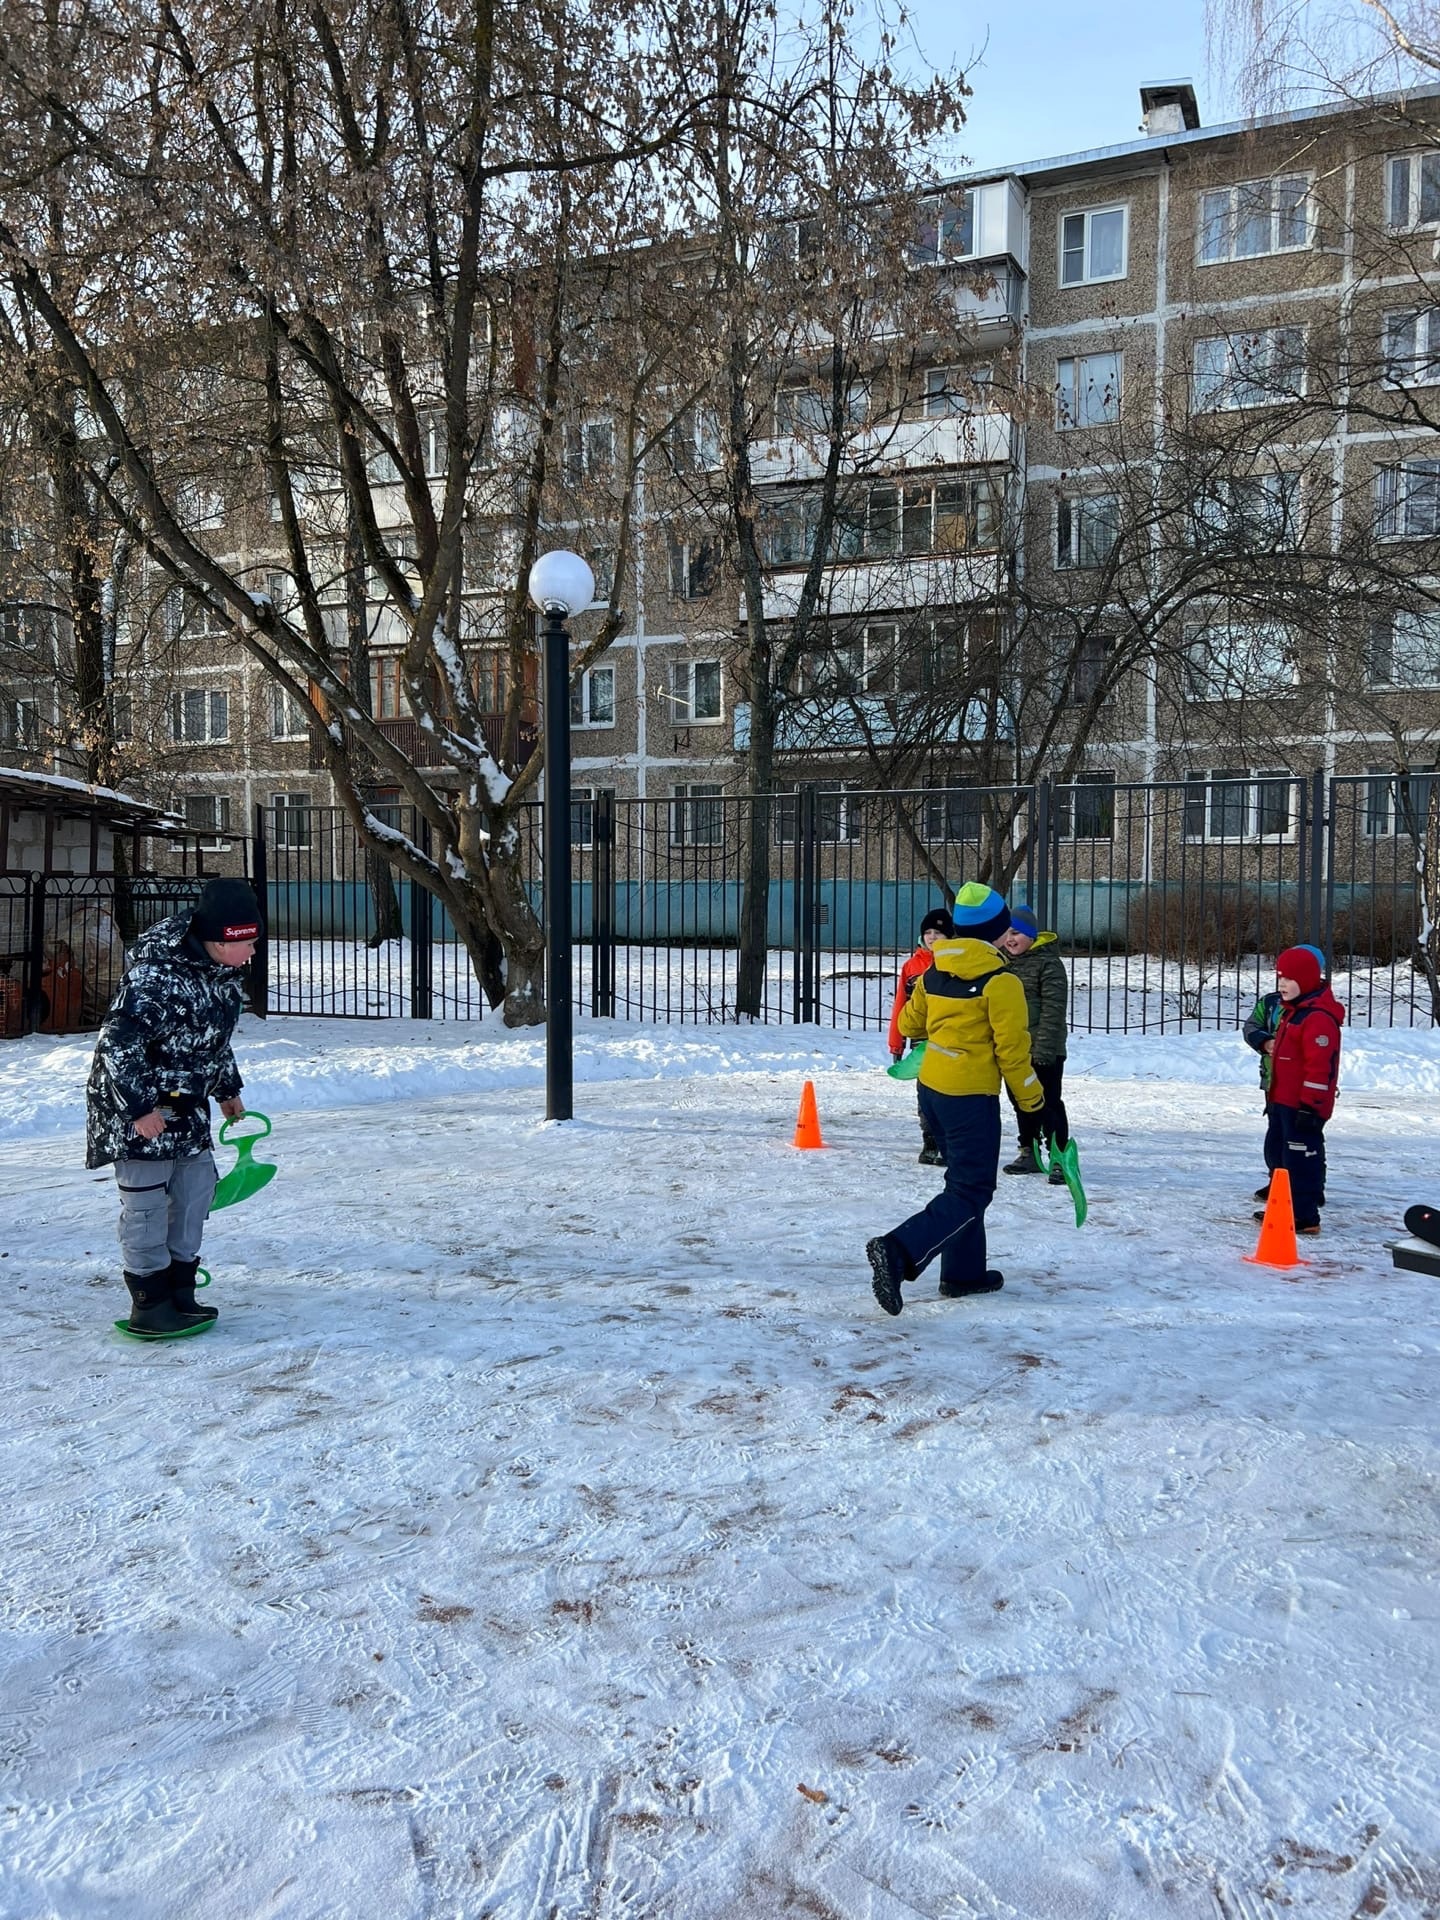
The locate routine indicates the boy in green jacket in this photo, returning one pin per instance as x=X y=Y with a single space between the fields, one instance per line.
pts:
x=1035 y=961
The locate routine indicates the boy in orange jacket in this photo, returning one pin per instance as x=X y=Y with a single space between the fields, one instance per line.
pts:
x=935 y=926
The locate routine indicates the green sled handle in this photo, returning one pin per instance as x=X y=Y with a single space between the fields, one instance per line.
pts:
x=908 y=1066
x=247 y=1176
x=1067 y=1159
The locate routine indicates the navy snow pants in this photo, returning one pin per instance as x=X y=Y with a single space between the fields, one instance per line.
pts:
x=966 y=1128
x=1303 y=1157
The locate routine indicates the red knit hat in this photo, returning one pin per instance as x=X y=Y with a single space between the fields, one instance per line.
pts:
x=1300 y=965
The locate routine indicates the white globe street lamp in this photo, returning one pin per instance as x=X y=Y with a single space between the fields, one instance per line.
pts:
x=560 y=584
x=561 y=580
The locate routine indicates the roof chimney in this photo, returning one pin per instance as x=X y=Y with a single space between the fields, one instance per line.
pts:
x=1168 y=106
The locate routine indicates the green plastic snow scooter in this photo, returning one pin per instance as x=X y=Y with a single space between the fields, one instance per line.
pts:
x=907 y=1067
x=247 y=1176
x=1067 y=1159
x=202 y=1279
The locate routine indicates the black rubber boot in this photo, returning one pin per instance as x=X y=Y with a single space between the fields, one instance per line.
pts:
x=957 y=1290
x=887 y=1270
x=182 y=1291
x=151 y=1308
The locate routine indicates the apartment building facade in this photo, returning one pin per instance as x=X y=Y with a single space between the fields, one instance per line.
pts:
x=1182 y=421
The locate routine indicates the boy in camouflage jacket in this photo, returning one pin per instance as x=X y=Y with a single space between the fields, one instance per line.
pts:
x=162 y=1056
x=1035 y=961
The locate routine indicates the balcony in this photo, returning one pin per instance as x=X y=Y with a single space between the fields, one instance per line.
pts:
x=953 y=440
x=891 y=586
x=844 y=725
x=416 y=743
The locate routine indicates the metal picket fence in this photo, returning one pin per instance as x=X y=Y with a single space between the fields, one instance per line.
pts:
x=1170 y=899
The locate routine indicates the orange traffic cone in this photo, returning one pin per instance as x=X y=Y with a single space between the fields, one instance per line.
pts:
x=807 y=1127
x=1276 y=1246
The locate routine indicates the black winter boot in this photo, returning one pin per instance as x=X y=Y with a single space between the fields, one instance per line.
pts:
x=957 y=1290
x=151 y=1308
x=1024 y=1162
x=887 y=1269
x=931 y=1156
x=182 y=1291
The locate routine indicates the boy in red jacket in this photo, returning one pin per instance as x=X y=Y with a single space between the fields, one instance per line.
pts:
x=935 y=926
x=1304 y=1070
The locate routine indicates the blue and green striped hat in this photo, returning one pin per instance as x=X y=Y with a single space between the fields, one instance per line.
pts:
x=980 y=913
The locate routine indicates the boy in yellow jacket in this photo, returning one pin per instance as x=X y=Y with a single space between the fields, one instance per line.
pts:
x=970 y=1011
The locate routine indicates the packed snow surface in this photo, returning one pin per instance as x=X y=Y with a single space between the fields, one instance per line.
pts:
x=552 y=1528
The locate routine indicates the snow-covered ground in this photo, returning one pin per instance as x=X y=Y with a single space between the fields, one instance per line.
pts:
x=553 y=1528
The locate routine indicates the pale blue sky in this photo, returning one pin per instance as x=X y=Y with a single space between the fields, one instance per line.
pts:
x=1058 y=77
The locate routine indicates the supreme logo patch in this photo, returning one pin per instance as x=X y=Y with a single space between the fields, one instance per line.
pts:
x=249 y=932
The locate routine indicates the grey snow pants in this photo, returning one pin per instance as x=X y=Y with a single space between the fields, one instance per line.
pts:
x=163 y=1204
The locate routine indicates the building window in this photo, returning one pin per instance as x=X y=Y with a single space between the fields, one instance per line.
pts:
x=1229 y=803
x=944 y=657
x=27 y=628
x=1404 y=651
x=945 y=230
x=208 y=816
x=387 y=689
x=199 y=714
x=857 y=660
x=950 y=390
x=1088 y=390
x=838 y=814
x=1249 y=369
x=1412 y=347
x=1086 y=529
x=1087 y=666
x=1414 y=198
x=122 y=716
x=20 y=724
x=697 y=816
x=582 y=814
x=198 y=508
x=694 y=440
x=1249 y=512
x=1407 y=500
x=1239 y=659
x=800 y=409
x=1086 y=809
x=589 y=450
x=1093 y=246
x=183 y=616
x=592 y=698
x=291 y=815
x=288 y=719
x=694 y=568
x=1254 y=218
x=1399 y=802
x=953 y=817
x=694 y=691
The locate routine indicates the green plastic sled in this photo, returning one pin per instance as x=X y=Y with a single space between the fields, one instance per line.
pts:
x=1067 y=1159
x=181 y=1333
x=247 y=1176
x=907 y=1067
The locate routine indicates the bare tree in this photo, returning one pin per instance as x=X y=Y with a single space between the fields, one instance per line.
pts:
x=355 y=245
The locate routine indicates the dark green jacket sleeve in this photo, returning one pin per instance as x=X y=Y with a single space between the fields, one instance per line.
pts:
x=1051 y=1022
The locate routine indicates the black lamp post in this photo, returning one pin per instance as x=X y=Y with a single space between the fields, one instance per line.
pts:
x=560 y=584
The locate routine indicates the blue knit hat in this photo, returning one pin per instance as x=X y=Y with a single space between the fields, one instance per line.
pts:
x=1024 y=920
x=980 y=913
